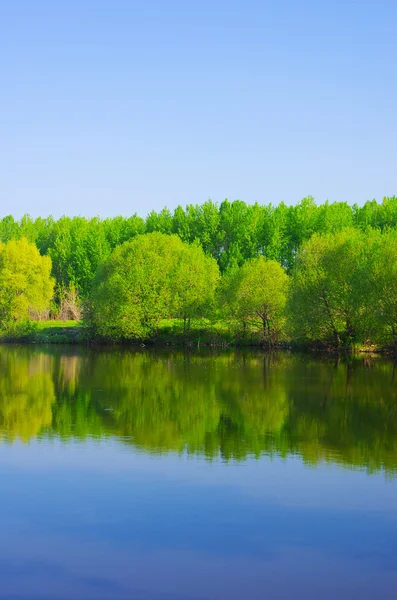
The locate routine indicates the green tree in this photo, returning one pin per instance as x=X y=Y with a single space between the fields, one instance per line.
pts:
x=256 y=294
x=275 y=237
x=25 y=281
x=368 y=216
x=327 y=302
x=196 y=280
x=119 y=230
x=239 y=233
x=302 y=223
x=381 y=287
x=134 y=289
x=161 y=222
x=9 y=229
x=78 y=246
x=334 y=217
x=199 y=223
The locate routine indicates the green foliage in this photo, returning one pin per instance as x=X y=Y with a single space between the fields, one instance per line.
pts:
x=240 y=227
x=20 y=331
x=327 y=302
x=256 y=294
x=148 y=279
x=79 y=246
x=134 y=289
x=25 y=282
x=199 y=332
x=381 y=288
x=195 y=282
x=231 y=232
x=119 y=230
x=160 y=222
x=341 y=259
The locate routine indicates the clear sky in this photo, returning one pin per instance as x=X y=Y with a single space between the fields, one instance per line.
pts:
x=123 y=106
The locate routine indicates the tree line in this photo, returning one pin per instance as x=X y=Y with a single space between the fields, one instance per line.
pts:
x=314 y=274
x=230 y=232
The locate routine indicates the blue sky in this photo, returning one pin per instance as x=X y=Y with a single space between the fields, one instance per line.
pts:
x=127 y=106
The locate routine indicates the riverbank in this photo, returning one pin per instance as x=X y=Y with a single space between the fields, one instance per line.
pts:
x=49 y=332
x=202 y=333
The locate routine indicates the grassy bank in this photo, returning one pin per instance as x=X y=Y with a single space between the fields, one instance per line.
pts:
x=58 y=332
x=202 y=332
x=47 y=332
x=205 y=332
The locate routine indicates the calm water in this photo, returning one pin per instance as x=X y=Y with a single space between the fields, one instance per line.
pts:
x=162 y=476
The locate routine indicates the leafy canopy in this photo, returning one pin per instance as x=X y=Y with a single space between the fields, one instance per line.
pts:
x=25 y=281
x=328 y=302
x=148 y=279
x=256 y=294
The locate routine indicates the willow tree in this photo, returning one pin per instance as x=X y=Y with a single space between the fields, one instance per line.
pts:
x=255 y=295
x=381 y=290
x=328 y=302
x=132 y=290
x=25 y=282
x=153 y=277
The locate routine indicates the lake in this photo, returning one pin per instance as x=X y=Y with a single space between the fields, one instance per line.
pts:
x=159 y=475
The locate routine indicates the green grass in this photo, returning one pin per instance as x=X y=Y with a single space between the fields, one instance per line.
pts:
x=57 y=332
x=42 y=325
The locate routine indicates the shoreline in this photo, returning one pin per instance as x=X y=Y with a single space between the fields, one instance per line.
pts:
x=58 y=333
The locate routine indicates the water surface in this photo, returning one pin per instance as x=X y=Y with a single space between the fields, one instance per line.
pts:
x=160 y=475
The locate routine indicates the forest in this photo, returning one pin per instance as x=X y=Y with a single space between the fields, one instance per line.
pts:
x=319 y=275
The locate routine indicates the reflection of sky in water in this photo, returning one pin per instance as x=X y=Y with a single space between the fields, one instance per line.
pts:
x=101 y=521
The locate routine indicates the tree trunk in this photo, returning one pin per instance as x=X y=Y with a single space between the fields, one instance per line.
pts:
x=328 y=309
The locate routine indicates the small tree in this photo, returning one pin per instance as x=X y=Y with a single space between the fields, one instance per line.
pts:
x=256 y=294
x=25 y=281
x=196 y=280
x=69 y=303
